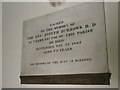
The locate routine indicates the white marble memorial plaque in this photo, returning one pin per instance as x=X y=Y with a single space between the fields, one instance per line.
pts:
x=70 y=41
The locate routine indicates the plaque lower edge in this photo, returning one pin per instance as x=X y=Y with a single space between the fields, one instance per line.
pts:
x=80 y=79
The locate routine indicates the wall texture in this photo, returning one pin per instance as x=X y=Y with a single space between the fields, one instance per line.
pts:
x=0 y=44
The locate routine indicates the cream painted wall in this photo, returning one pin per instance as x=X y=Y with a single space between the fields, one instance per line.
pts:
x=13 y=16
x=0 y=44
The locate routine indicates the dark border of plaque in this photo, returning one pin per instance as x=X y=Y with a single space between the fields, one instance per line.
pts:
x=80 y=79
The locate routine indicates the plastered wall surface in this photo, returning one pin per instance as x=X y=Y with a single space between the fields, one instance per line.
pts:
x=0 y=44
